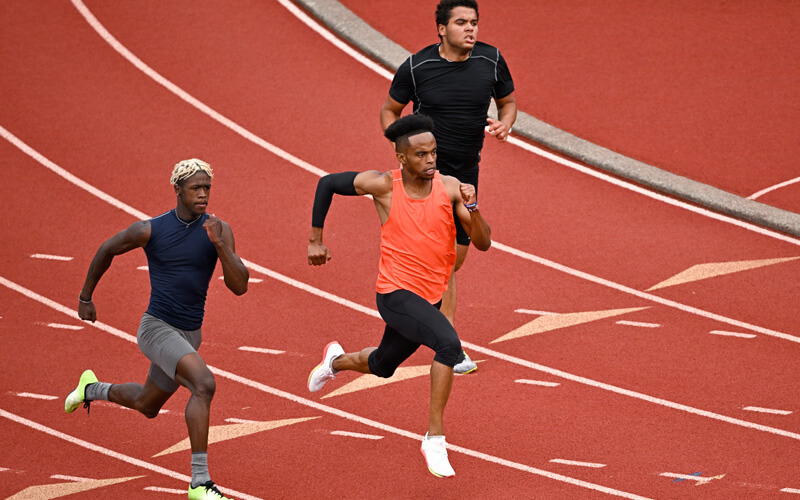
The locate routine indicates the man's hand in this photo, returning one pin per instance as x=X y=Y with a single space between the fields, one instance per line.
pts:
x=318 y=253
x=468 y=194
x=498 y=129
x=213 y=227
x=86 y=311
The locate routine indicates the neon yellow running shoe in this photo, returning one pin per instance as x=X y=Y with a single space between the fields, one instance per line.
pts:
x=206 y=491
x=78 y=396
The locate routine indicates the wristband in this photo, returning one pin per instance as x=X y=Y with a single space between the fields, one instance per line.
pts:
x=471 y=207
x=84 y=301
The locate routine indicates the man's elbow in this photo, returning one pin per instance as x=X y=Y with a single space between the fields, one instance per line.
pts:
x=483 y=245
x=238 y=287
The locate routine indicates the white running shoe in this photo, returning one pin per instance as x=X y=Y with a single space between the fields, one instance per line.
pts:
x=434 y=450
x=466 y=366
x=324 y=371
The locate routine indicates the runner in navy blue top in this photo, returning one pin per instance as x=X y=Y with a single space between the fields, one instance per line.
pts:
x=454 y=82
x=182 y=248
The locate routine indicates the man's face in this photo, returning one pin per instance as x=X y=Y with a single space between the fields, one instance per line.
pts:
x=194 y=192
x=461 y=31
x=420 y=155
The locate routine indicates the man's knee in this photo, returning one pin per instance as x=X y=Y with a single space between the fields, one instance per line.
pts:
x=149 y=412
x=205 y=386
x=448 y=349
x=381 y=370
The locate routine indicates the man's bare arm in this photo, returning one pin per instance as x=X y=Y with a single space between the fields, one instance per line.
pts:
x=390 y=112
x=465 y=205
x=234 y=272
x=506 y=114
x=135 y=236
x=371 y=182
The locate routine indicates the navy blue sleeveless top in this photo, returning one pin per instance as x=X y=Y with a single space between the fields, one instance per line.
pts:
x=181 y=261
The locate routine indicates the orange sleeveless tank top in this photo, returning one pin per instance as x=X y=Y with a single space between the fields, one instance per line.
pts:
x=417 y=242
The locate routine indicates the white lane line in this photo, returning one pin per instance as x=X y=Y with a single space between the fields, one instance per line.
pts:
x=31 y=395
x=261 y=350
x=576 y=463
x=143 y=268
x=732 y=334
x=71 y=478
x=241 y=421
x=45 y=256
x=185 y=96
x=297 y=399
x=546 y=154
x=159 y=489
x=62 y=326
x=654 y=195
x=638 y=324
x=758 y=409
x=356 y=435
x=686 y=477
x=70 y=177
x=537 y=382
x=535 y=313
x=327 y=35
x=790 y=490
x=770 y=189
x=105 y=451
x=100 y=29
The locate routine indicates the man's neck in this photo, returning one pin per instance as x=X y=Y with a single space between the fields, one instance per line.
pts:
x=453 y=54
x=416 y=187
x=184 y=213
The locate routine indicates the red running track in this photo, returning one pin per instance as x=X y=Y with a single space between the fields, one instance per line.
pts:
x=642 y=400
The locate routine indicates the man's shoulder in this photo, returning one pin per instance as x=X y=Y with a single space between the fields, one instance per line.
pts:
x=426 y=53
x=485 y=50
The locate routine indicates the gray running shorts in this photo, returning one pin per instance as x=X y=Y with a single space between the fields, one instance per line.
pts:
x=164 y=345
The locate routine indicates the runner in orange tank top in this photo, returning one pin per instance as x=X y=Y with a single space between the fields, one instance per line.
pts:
x=416 y=206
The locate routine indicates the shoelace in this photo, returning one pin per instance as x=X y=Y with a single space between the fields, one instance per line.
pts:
x=213 y=489
x=87 y=405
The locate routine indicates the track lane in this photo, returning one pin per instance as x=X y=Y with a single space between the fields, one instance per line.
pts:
x=367 y=207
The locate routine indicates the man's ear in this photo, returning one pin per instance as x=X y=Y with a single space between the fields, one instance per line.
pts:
x=177 y=188
x=401 y=158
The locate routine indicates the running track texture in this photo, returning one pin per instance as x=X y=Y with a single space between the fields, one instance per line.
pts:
x=628 y=346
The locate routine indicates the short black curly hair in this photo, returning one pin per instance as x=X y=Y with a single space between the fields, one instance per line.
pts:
x=400 y=130
x=445 y=7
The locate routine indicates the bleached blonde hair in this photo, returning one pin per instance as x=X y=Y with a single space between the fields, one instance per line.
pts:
x=188 y=168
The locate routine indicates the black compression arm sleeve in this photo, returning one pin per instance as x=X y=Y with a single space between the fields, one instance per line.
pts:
x=341 y=183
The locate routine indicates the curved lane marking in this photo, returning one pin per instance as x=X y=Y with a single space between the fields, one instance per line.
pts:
x=770 y=189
